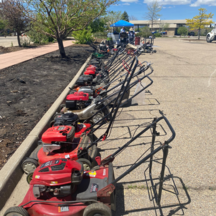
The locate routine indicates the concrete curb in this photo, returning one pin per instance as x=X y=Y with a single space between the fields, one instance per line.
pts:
x=11 y=173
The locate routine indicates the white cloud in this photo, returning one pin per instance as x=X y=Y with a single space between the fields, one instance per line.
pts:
x=169 y=2
x=126 y=4
x=130 y=1
x=198 y=3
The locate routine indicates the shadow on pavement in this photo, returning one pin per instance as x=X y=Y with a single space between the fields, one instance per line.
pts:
x=177 y=208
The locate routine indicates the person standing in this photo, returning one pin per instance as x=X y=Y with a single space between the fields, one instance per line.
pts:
x=122 y=30
x=131 y=35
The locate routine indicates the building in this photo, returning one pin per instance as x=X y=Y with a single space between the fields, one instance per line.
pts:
x=173 y=25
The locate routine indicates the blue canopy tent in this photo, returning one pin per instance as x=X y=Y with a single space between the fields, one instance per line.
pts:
x=122 y=23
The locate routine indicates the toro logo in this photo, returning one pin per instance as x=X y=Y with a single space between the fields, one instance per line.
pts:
x=63 y=208
x=94 y=188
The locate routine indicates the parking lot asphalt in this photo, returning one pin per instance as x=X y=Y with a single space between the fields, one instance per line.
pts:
x=184 y=89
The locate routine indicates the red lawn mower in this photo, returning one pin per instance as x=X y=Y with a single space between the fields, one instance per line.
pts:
x=89 y=107
x=64 y=139
x=61 y=187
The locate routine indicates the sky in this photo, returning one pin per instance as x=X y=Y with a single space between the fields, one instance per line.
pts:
x=171 y=9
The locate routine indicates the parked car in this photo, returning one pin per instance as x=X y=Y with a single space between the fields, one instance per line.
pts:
x=164 y=33
x=191 y=33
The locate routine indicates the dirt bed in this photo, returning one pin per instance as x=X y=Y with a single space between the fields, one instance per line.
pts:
x=27 y=90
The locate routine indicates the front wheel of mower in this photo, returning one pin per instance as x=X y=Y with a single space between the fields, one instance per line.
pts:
x=86 y=163
x=29 y=177
x=97 y=209
x=16 y=211
x=29 y=165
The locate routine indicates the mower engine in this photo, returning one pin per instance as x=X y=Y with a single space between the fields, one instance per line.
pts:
x=84 y=80
x=66 y=119
x=58 y=137
x=56 y=178
x=78 y=100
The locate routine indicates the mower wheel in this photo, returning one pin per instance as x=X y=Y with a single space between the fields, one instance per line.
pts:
x=97 y=209
x=34 y=154
x=16 y=211
x=29 y=165
x=71 y=134
x=97 y=117
x=29 y=177
x=61 y=107
x=86 y=163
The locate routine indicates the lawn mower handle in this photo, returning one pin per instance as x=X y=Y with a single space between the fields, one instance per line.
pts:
x=111 y=157
x=120 y=95
x=107 y=116
x=170 y=127
x=131 y=85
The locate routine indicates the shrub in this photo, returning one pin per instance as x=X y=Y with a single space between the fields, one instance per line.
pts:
x=37 y=37
x=25 y=41
x=144 y=32
x=83 y=36
x=157 y=34
x=182 y=30
x=100 y=34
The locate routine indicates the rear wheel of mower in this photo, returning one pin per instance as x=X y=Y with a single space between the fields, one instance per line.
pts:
x=86 y=163
x=93 y=151
x=29 y=177
x=29 y=165
x=16 y=211
x=71 y=134
x=97 y=209
x=97 y=117
x=61 y=107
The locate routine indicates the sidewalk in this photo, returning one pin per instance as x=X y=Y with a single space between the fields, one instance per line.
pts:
x=9 y=59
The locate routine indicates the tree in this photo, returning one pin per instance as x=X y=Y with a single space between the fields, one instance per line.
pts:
x=97 y=25
x=132 y=18
x=112 y=17
x=200 y=21
x=62 y=17
x=164 y=27
x=182 y=30
x=125 y=16
x=2 y=26
x=144 y=32
x=13 y=13
x=153 y=12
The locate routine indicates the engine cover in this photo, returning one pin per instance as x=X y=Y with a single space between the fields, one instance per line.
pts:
x=90 y=72
x=92 y=66
x=84 y=80
x=57 y=173
x=66 y=119
x=77 y=100
x=58 y=134
x=78 y=96
x=87 y=89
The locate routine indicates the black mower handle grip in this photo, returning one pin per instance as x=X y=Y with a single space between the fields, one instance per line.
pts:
x=170 y=127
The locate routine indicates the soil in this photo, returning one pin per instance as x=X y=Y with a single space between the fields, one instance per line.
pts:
x=14 y=48
x=28 y=89
x=9 y=49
